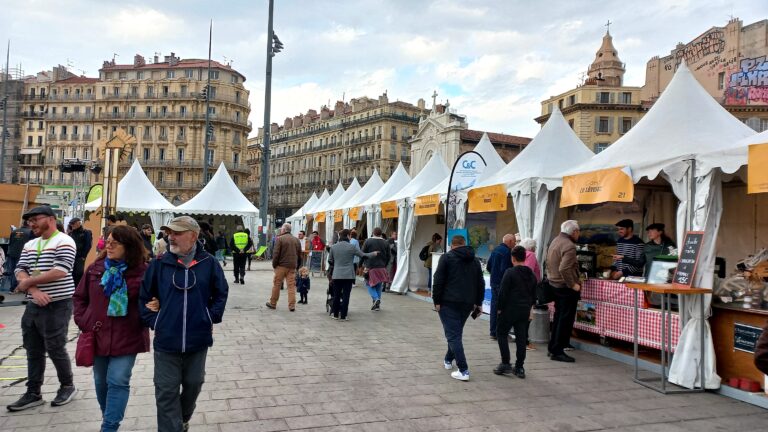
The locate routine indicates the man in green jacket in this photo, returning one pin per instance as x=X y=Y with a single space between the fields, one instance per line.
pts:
x=240 y=244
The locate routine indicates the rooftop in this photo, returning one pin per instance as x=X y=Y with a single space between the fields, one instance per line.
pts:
x=496 y=138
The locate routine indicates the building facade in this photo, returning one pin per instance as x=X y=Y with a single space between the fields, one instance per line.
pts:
x=11 y=111
x=602 y=109
x=318 y=150
x=448 y=133
x=159 y=103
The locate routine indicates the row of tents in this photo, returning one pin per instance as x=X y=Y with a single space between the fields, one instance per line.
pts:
x=687 y=139
x=221 y=196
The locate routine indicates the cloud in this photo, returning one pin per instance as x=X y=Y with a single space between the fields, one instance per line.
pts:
x=141 y=24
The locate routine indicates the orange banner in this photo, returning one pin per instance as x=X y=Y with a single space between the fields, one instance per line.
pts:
x=613 y=184
x=320 y=217
x=427 y=205
x=488 y=199
x=389 y=210
x=354 y=213
x=757 y=173
x=338 y=215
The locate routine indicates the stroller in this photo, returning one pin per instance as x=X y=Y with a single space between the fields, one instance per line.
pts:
x=329 y=292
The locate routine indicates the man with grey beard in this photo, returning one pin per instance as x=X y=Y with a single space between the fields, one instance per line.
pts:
x=183 y=294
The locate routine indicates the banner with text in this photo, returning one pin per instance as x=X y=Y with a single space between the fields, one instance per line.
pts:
x=354 y=213
x=488 y=199
x=612 y=184
x=467 y=169
x=320 y=217
x=389 y=210
x=338 y=215
x=427 y=205
x=757 y=173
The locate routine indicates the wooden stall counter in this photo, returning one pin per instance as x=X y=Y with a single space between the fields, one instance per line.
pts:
x=734 y=331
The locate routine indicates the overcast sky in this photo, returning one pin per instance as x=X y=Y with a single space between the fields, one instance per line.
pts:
x=494 y=60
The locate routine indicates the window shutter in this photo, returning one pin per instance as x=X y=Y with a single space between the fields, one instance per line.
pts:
x=610 y=123
x=597 y=124
x=611 y=97
x=597 y=97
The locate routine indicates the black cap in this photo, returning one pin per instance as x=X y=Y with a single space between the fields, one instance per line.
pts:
x=42 y=210
x=625 y=223
x=74 y=219
x=655 y=226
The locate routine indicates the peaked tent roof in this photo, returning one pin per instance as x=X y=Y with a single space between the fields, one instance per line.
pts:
x=301 y=212
x=493 y=163
x=323 y=198
x=683 y=122
x=325 y=206
x=398 y=180
x=353 y=188
x=433 y=173
x=136 y=193
x=221 y=197
x=373 y=185
x=553 y=150
x=731 y=156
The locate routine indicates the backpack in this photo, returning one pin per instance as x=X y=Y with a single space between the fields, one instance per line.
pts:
x=424 y=254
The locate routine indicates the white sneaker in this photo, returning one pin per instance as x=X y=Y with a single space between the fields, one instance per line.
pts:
x=461 y=376
x=447 y=365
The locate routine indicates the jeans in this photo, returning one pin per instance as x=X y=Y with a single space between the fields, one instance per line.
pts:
x=342 y=288
x=238 y=265
x=375 y=291
x=112 y=379
x=44 y=330
x=566 y=301
x=220 y=255
x=516 y=318
x=174 y=370
x=284 y=273
x=454 y=316
x=429 y=279
x=494 y=297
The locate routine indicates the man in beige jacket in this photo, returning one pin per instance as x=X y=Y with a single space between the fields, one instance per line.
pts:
x=285 y=260
x=563 y=275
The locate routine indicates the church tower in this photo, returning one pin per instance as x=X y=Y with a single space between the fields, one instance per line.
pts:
x=607 y=70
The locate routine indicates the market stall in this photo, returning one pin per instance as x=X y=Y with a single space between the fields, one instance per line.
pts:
x=372 y=205
x=298 y=220
x=353 y=208
x=334 y=215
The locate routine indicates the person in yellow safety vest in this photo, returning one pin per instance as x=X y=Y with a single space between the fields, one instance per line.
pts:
x=241 y=243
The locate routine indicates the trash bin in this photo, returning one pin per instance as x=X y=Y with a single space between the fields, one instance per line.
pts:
x=540 y=326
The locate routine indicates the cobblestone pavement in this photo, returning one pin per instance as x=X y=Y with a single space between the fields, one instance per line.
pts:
x=380 y=371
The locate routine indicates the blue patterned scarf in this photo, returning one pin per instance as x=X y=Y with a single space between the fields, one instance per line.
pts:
x=115 y=287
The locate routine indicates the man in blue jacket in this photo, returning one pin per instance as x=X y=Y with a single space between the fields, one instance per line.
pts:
x=498 y=263
x=183 y=294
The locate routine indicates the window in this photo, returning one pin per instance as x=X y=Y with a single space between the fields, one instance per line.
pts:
x=161 y=154
x=50 y=176
x=180 y=155
x=183 y=111
x=549 y=108
x=211 y=153
x=132 y=130
x=164 y=133
x=146 y=154
x=721 y=80
x=132 y=111
x=159 y=176
x=184 y=90
x=74 y=153
x=170 y=74
x=134 y=91
x=85 y=153
x=214 y=75
x=601 y=146
x=626 y=124
x=571 y=100
x=604 y=125
x=236 y=158
x=626 y=98
x=103 y=91
x=212 y=110
x=212 y=92
x=147 y=133
x=29 y=141
x=560 y=103
x=150 y=91
x=604 y=97
x=179 y=177
x=122 y=75
x=40 y=141
x=149 y=111
x=182 y=132
x=189 y=73
x=570 y=123
x=165 y=91
x=140 y=75
x=164 y=110
x=115 y=111
x=237 y=96
x=394 y=132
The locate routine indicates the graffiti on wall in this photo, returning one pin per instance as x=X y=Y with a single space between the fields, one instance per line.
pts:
x=748 y=85
x=709 y=44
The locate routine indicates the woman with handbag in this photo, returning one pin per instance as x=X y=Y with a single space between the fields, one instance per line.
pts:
x=106 y=309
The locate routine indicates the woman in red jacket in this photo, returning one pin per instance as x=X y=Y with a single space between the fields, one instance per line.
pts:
x=107 y=302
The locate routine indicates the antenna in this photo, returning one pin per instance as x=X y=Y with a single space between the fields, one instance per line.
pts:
x=114 y=55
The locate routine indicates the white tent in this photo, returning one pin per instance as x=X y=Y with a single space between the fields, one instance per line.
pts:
x=684 y=121
x=324 y=207
x=221 y=196
x=338 y=204
x=433 y=173
x=530 y=181
x=398 y=180
x=373 y=185
x=730 y=157
x=312 y=208
x=298 y=219
x=135 y=193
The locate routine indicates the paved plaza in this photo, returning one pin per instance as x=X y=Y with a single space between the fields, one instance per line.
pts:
x=380 y=371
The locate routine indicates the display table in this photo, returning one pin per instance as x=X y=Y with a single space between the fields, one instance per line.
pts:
x=736 y=359
x=605 y=309
x=666 y=290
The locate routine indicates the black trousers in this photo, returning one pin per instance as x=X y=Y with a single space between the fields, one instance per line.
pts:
x=77 y=270
x=238 y=262
x=342 y=288
x=566 y=301
x=517 y=318
x=44 y=330
x=174 y=372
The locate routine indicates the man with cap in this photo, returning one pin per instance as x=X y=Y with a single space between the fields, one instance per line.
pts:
x=241 y=243
x=629 y=257
x=83 y=241
x=183 y=295
x=658 y=244
x=44 y=273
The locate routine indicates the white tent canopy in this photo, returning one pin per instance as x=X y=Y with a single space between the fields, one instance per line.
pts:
x=433 y=173
x=398 y=180
x=373 y=185
x=221 y=196
x=135 y=193
x=312 y=208
x=298 y=219
x=337 y=193
x=730 y=157
x=338 y=204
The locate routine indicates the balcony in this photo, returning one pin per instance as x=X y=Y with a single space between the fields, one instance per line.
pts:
x=87 y=137
x=63 y=136
x=70 y=116
x=35 y=97
x=33 y=114
x=75 y=137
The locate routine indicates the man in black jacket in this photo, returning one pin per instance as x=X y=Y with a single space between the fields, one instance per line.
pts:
x=457 y=291
x=517 y=295
x=83 y=241
x=19 y=237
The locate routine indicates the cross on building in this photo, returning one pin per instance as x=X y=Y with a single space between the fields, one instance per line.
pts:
x=608 y=27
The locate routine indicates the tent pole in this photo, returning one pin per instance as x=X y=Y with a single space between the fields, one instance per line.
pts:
x=692 y=199
x=532 y=213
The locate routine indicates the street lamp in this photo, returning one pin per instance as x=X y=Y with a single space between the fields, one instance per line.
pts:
x=274 y=46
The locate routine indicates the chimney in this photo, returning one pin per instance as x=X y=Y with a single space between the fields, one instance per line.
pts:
x=138 y=60
x=339 y=108
x=325 y=113
x=157 y=59
x=274 y=128
x=288 y=123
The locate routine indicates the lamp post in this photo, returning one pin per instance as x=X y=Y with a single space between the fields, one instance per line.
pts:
x=273 y=46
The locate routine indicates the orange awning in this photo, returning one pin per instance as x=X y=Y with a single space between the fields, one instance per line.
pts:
x=757 y=168
x=612 y=184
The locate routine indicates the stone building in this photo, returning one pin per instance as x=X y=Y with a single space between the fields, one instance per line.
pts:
x=159 y=103
x=13 y=86
x=319 y=149
x=446 y=132
x=602 y=109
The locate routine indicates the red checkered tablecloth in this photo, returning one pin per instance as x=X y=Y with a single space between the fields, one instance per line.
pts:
x=609 y=292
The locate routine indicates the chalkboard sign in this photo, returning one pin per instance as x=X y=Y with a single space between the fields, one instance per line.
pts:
x=689 y=255
x=745 y=337
x=316 y=261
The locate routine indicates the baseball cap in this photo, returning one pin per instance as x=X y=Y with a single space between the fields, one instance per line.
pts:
x=42 y=210
x=181 y=224
x=655 y=226
x=625 y=223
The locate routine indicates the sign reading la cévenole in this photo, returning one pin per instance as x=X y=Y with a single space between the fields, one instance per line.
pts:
x=612 y=184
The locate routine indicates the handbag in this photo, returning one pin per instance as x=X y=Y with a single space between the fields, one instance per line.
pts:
x=545 y=292
x=86 y=347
